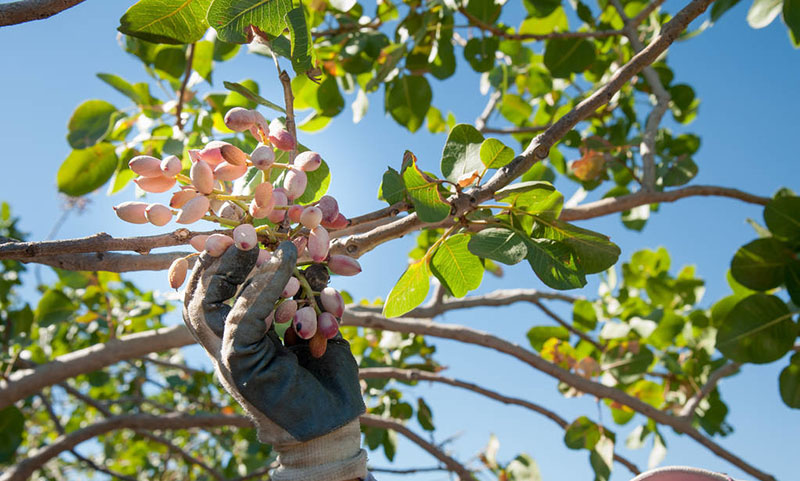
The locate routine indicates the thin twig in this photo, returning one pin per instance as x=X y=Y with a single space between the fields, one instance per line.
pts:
x=431 y=469
x=515 y=130
x=552 y=315
x=417 y=375
x=27 y=10
x=480 y=122
x=182 y=91
x=638 y=19
x=688 y=409
x=160 y=362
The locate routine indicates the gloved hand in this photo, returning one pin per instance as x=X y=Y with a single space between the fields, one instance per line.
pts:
x=306 y=408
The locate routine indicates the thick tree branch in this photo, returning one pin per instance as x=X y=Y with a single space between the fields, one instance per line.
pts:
x=378 y=422
x=26 y=382
x=480 y=338
x=24 y=468
x=619 y=204
x=27 y=10
x=417 y=375
x=728 y=369
x=111 y=262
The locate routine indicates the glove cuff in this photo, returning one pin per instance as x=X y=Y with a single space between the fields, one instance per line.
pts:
x=336 y=456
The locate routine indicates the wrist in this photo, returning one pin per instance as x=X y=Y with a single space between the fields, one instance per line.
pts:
x=336 y=456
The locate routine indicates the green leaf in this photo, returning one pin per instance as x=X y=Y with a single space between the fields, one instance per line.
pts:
x=495 y=154
x=232 y=18
x=392 y=188
x=759 y=329
x=535 y=197
x=791 y=17
x=541 y=8
x=582 y=433
x=54 y=307
x=170 y=62
x=90 y=123
x=481 y=52
x=789 y=381
x=408 y=99
x=12 y=426
x=721 y=6
x=515 y=109
x=538 y=335
x=120 y=85
x=456 y=267
x=680 y=172
x=252 y=96
x=329 y=99
x=760 y=264
x=499 y=244
x=763 y=12
x=625 y=365
x=584 y=316
x=425 y=195
x=555 y=22
x=166 y=21
x=461 y=154
x=595 y=251
x=792 y=281
x=485 y=10
x=424 y=415
x=555 y=264
x=523 y=468
x=602 y=457
x=782 y=216
x=565 y=56
x=302 y=53
x=85 y=170
x=203 y=62
x=410 y=291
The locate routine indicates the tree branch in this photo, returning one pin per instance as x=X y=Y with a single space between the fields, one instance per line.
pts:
x=111 y=262
x=688 y=409
x=387 y=423
x=27 y=10
x=431 y=469
x=515 y=130
x=647 y=148
x=480 y=122
x=26 y=382
x=480 y=338
x=417 y=375
x=619 y=204
x=24 y=468
x=552 y=315
x=499 y=32
x=182 y=91
x=646 y=12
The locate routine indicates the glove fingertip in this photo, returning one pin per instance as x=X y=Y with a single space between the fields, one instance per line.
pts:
x=236 y=263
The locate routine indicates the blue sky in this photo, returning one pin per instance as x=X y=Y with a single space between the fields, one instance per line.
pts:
x=747 y=79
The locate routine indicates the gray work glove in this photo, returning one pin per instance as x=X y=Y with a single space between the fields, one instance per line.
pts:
x=306 y=408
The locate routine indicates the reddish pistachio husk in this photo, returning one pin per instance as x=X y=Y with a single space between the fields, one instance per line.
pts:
x=317 y=345
x=294 y=213
x=263 y=157
x=281 y=139
x=181 y=197
x=155 y=185
x=300 y=243
x=339 y=223
x=318 y=243
x=332 y=301
x=305 y=322
x=308 y=161
x=146 y=166
x=343 y=265
x=177 y=272
x=226 y=171
x=193 y=210
x=260 y=212
x=245 y=237
x=263 y=256
x=262 y=194
x=291 y=287
x=217 y=244
x=239 y=119
x=311 y=217
x=285 y=311
x=212 y=152
x=327 y=325
x=171 y=166
x=158 y=214
x=233 y=155
x=202 y=177
x=194 y=155
x=276 y=216
x=329 y=208
x=260 y=129
x=295 y=182
x=199 y=242
x=133 y=212
x=278 y=199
